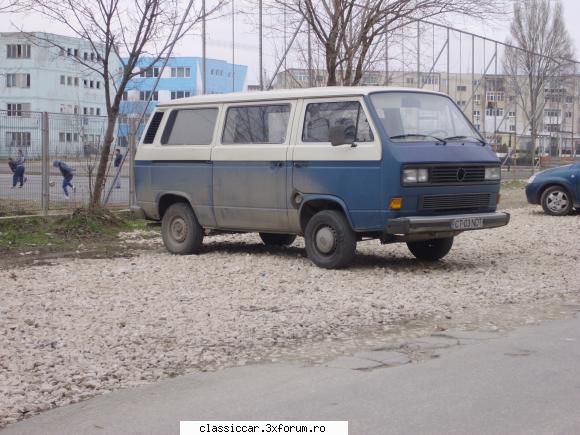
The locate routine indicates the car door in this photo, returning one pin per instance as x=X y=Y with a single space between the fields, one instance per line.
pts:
x=350 y=173
x=250 y=166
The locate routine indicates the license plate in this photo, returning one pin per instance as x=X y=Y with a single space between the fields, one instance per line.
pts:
x=467 y=223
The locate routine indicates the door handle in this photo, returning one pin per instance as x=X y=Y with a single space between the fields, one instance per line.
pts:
x=277 y=164
x=299 y=164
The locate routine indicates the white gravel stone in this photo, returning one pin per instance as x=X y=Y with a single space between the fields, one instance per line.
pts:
x=83 y=327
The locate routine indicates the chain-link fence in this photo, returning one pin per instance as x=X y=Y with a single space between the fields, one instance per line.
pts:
x=34 y=146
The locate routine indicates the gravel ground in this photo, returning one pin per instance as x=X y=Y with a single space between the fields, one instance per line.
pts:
x=76 y=328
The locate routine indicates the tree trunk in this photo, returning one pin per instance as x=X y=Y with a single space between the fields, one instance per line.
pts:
x=331 y=65
x=104 y=160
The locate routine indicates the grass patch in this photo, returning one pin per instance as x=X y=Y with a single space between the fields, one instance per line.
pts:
x=56 y=233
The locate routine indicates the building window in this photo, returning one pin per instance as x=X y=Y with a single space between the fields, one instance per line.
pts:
x=551 y=113
x=409 y=80
x=91 y=84
x=512 y=128
x=476 y=113
x=569 y=99
x=98 y=84
x=85 y=110
x=68 y=52
x=461 y=103
x=18 y=51
x=92 y=56
x=85 y=56
x=180 y=94
x=76 y=81
x=494 y=111
x=18 y=139
x=552 y=128
x=98 y=111
x=16 y=80
x=477 y=98
x=180 y=72
x=76 y=52
x=150 y=72
x=568 y=114
x=69 y=81
x=91 y=111
x=430 y=80
x=18 y=109
x=461 y=88
x=512 y=114
x=495 y=96
x=145 y=95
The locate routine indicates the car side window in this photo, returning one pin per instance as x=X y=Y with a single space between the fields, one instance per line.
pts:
x=190 y=127
x=267 y=124
x=321 y=117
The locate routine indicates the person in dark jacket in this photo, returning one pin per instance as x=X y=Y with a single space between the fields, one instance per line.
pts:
x=67 y=175
x=18 y=172
x=118 y=158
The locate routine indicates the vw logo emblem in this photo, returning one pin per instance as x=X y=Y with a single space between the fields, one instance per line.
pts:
x=460 y=174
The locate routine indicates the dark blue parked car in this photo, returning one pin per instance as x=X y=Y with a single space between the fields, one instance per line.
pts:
x=556 y=189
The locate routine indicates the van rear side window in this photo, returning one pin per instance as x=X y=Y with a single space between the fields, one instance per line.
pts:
x=190 y=127
x=256 y=124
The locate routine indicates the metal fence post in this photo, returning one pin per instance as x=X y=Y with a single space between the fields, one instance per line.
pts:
x=131 y=151
x=45 y=167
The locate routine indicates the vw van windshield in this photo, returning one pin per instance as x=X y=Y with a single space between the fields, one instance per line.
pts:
x=417 y=116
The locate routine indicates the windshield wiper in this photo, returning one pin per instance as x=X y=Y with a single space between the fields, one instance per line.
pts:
x=476 y=139
x=402 y=136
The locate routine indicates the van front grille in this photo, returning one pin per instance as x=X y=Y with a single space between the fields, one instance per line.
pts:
x=456 y=174
x=463 y=201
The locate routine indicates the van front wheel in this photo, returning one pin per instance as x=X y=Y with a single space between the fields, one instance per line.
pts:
x=272 y=239
x=330 y=241
x=180 y=230
x=431 y=250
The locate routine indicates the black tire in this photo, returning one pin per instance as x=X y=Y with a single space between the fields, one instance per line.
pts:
x=556 y=201
x=272 y=239
x=431 y=250
x=180 y=230
x=335 y=247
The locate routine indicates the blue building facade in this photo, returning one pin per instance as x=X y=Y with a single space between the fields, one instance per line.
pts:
x=181 y=78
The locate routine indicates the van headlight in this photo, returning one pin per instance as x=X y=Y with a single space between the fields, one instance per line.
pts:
x=493 y=173
x=531 y=179
x=415 y=175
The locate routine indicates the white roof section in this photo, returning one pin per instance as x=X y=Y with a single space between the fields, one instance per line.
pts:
x=284 y=94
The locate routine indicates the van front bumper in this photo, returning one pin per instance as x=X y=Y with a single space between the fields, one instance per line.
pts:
x=440 y=226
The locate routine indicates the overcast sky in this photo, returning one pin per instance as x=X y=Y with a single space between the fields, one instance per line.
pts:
x=219 y=36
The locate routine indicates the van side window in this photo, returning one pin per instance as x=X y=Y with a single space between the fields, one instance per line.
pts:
x=321 y=117
x=190 y=127
x=256 y=124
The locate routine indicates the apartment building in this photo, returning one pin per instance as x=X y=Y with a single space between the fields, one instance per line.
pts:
x=40 y=72
x=491 y=102
x=181 y=78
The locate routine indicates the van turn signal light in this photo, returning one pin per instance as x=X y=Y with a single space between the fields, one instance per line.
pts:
x=396 y=203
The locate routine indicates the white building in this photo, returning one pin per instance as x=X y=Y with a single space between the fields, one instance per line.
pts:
x=41 y=72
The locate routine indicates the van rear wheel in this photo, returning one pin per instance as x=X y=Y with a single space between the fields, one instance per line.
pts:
x=431 y=250
x=272 y=239
x=330 y=241
x=180 y=230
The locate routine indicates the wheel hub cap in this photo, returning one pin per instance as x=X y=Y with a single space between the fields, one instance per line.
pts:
x=557 y=201
x=325 y=240
x=178 y=229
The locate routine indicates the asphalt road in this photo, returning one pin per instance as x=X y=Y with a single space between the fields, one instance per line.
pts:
x=526 y=382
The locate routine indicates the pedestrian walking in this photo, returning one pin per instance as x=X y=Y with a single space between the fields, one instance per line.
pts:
x=118 y=158
x=18 y=172
x=509 y=158
x=67 y=175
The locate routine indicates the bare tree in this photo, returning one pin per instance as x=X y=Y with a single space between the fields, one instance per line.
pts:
x=135 y=34
x=545 y=53
x=350 y=29
x=10 y=6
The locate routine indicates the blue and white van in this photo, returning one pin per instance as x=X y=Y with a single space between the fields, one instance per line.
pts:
x=334 y=165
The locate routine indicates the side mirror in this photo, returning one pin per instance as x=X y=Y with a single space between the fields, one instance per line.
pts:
x=338 y=136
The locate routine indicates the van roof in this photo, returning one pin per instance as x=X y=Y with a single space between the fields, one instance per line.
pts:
x=282 y=94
